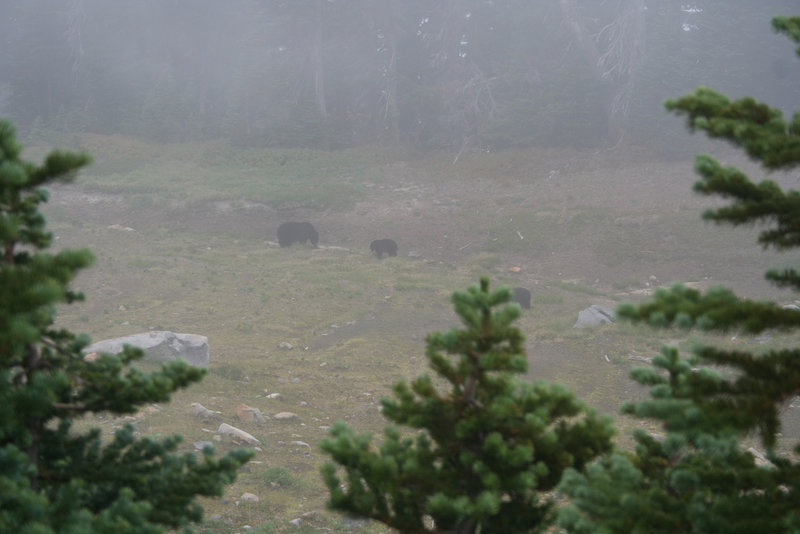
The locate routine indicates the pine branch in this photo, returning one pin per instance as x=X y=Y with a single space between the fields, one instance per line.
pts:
x=718 y=310
x=760 y=130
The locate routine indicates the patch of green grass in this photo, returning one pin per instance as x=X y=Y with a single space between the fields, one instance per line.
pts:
x=545 y=230
x=546 y=299
x=627 y=283
x=483 y=262
x=278 y=477
x=575 y=287
x=188 y=173
x=229 y=371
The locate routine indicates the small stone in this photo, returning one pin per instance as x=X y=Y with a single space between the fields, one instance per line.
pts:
x=229 y=430
x=285 y=346
x=249 y=497
x=285 y=416
x=249 y=414
x=198 y=410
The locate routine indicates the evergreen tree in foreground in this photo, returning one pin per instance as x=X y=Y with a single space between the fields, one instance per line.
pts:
x=698 y=478
x=52 y=477
x=482 y=454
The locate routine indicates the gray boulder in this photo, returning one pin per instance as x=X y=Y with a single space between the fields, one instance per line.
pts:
x=594 y=315
x=160 y=346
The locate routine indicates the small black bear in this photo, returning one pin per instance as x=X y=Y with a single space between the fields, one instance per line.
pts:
x=297 y=232
x=381 y=246
x=522 y=297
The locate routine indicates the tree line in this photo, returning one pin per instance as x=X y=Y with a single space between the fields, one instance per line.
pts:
x=453 y=74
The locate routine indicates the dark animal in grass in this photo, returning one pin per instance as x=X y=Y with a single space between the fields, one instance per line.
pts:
x=383 y=246
x=522 y=297
x=297 y=232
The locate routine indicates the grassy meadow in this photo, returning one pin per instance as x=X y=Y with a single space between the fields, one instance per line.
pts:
x=184 y=240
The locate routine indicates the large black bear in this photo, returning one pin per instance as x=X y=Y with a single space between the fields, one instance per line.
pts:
x=297 y=232
x=522 y=297
x=381 y=246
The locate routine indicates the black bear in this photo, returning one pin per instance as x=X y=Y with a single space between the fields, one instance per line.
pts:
x=381 y=246
x=522 y=297
x=297 y=232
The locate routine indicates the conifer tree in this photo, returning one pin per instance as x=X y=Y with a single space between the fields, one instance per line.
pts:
x=54 y=477
x=698 y=477
x=478 y=457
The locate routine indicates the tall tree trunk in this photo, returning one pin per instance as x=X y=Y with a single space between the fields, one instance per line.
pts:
x=316 y=52
x=391 y=112
x=612 y=68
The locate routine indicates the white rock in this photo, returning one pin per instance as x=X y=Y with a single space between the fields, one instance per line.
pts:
x=160 y=346
x=229 y=430
x=198 y=410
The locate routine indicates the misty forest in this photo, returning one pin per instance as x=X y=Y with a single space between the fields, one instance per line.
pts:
x=418 y=266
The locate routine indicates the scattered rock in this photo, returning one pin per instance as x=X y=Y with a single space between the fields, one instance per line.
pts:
x=229 y=430
x=200 y=445
x=285 y=416
x=198 y=410
x=285 y=346
x=300 y=443
x=160 y=346
x=763 y=338
x=141 y=414
x=760 y=459
x=248 y=414
x=249 y=497
x=120 y=227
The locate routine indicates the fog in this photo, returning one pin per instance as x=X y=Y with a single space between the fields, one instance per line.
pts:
x=413 y=146
x=452 y=74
